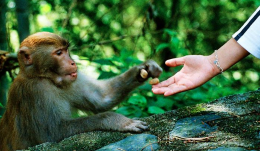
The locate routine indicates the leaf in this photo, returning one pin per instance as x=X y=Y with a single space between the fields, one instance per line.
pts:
x=130 y=111
x=45 y=8
x=63 y=30
x=145 y=86
x=125 y=110
x=104 y=62
x=175 y=41
x=155 y=110
x=106 y=75
x=164 y=103
x=1 y=105
x=83 y=58
x=170 y=32
x=198 y=95
x=137 y=112
x=138 y=100
x=180 y=52
x=162 y=46
x=132 y=60
x=47 y=29
x=125 y=53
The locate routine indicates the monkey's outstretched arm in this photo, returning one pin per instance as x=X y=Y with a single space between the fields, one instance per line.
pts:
x=102 y=95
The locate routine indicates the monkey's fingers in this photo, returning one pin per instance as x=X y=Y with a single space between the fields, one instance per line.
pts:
x=142 y=125
x=143 y=73
x=137 y=126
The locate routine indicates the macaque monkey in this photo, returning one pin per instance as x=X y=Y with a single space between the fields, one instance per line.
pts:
x=49 y=86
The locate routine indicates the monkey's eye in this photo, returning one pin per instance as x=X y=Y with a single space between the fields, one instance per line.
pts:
x=58 y=52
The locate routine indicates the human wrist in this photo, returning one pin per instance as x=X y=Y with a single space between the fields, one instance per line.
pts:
x=215 y=70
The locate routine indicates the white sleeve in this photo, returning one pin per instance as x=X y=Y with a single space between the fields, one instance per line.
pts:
x=248 y=36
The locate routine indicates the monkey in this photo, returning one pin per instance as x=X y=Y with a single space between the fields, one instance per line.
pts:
x=49 y=86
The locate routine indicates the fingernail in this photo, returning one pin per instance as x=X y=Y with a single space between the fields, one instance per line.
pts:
x=154 y=90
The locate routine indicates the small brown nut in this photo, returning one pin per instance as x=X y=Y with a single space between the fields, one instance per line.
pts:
x=144 y=73
x=154 y=81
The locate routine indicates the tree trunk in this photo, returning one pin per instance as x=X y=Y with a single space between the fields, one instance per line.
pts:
x=3 y=91
x=3 y=38
x=22 y=18
x=162 y=23
x=3 y=46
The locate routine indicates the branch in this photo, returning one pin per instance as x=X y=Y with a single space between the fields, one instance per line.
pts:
x=7 y=61
x=187 y=139
x=110 y=41
x=65 y=22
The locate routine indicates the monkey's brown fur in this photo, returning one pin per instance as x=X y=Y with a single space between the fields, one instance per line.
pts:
x=49 y=86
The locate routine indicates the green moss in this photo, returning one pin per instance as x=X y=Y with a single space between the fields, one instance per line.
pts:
x=196 y=109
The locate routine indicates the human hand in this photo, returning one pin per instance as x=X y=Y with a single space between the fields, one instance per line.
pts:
x=196 y=71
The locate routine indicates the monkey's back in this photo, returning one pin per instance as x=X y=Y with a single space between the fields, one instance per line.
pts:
x=27 y=112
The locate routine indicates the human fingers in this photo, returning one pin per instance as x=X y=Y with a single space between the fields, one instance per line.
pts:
x=161 y=90
x=175 y=62
x=170 y=90
x=175 y=89
x=165 y=83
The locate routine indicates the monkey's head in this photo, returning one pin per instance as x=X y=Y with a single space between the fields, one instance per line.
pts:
x=46 y=55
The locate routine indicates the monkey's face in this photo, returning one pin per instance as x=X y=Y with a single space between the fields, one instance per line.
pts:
x=46 y=55
x=63 y=65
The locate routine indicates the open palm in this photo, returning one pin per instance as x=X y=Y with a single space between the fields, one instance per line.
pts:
x=196 y=71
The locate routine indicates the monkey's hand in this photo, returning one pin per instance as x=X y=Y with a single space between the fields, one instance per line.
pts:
x=149 y=69
x=118 y=122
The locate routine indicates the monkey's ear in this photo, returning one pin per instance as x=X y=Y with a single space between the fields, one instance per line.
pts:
x=25 y=55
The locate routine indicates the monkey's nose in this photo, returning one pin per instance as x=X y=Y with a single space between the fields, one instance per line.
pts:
x=73 y=63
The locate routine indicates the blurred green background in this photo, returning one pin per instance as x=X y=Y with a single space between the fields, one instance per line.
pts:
x=109 y=36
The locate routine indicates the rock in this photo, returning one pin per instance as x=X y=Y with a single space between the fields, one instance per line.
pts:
x=194 y=126
x=229 y=149
x=228 y=123
x=144 y=142
x=90 y=141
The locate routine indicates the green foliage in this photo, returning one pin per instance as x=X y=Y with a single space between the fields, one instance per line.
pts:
x=117 y=35
x=1 y=106
x=155 y=110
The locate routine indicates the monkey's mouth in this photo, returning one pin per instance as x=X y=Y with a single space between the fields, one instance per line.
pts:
x=72 y=75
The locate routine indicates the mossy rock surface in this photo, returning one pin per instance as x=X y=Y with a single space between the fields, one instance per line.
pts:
x=231 y=122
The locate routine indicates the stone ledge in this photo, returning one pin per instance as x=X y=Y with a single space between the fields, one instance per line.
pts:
x=230 y=123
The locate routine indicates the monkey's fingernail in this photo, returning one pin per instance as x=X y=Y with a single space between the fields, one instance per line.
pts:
x=154 y=81
x=144 y=73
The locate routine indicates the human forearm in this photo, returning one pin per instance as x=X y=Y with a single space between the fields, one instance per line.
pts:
x=229 y=54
